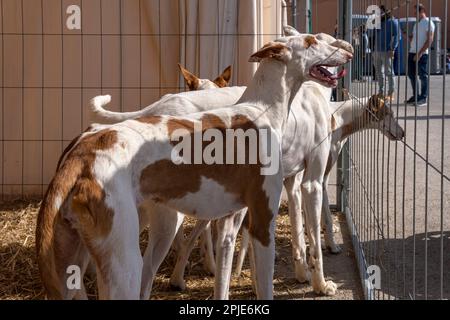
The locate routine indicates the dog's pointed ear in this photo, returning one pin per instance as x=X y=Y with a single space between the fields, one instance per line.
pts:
x=376 y=103
x=290 y=31
x=274 y=50
x=343 y=45
x=226 y=74
x=326 y=37
x=224 y=79
x=191 y=80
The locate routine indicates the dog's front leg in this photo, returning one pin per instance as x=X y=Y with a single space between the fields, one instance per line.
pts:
x=312 y=194
x=328 y=221
x=292 y=185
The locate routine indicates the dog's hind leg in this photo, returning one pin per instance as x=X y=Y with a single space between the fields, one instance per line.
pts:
x=110 y=230
x=262 y=220
x=71 y=259
x=227 y=230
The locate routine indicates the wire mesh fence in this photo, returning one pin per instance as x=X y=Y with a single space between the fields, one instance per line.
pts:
x=396 y=194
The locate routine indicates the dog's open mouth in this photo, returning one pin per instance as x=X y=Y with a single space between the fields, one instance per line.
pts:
x=321 y=73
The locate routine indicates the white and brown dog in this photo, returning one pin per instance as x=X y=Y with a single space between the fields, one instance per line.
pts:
x=113 y=173
x=309 y=112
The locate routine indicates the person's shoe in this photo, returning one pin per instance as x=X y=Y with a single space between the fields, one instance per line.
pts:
x=421 y=102
x=411 y=100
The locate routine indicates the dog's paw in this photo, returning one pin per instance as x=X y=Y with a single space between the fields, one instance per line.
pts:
x=328 y=288
x=336 y=228
x=303 y=277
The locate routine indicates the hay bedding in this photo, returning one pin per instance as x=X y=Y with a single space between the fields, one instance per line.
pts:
x=19 y=275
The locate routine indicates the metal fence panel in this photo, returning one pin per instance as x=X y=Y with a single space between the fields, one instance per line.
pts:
x=398 y=193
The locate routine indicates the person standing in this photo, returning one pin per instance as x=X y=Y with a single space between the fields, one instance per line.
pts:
x=421 y=40
x=385 y=44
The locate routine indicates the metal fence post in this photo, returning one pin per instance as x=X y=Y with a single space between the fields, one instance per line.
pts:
x=343 y=165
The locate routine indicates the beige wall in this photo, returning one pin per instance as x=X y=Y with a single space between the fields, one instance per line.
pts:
x=47 y=81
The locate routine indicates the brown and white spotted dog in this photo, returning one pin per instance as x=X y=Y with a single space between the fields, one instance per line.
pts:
x=114 y=172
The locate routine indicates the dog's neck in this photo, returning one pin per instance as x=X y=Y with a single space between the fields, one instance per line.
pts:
x=350 y=117
x=272 y=90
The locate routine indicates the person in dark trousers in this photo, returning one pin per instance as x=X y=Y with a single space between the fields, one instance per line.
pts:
x=386 y=41
x=421 y=40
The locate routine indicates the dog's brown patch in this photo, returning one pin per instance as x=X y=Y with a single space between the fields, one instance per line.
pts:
x=243 y=180
x=333 y=123
x=348 y=129
x=274 y=50
x=174 y=124
x=329 y=164
x=153 y=120
x=377 y=106
x=310 y=41
x=92 y=212
x=66 y=150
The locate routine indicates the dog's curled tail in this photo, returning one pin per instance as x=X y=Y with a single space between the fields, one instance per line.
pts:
x=97 y=107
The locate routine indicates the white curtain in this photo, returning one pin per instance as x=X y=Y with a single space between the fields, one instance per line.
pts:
x=206 y=36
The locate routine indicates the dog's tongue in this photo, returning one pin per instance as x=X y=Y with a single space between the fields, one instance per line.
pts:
x=340 y=75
